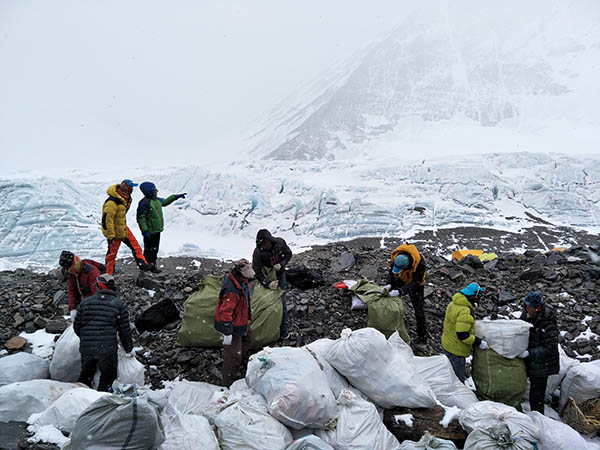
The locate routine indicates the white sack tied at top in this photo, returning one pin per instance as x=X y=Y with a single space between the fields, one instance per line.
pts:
x=294 y=385
x=508 y=338
x=359 y=426
x=373 y=366
x=487 y=414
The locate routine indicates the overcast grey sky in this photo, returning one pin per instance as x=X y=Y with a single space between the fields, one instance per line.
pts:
x=84 y=82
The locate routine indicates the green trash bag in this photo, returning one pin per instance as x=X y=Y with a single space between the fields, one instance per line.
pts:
x=498 y=378
x=267 y=311
x=386 y=313
x=198 y=328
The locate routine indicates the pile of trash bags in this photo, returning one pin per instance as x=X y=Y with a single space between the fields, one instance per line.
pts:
x=328 y=395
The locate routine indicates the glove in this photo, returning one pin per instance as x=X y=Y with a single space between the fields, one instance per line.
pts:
x=484 y=345
x=73 y=313
x=277 y=267
x=525 y=354
x=274 y=284
x=386 y=288
x=227 y=339
x=178 y=196
x=146 y=234
x=394 y=293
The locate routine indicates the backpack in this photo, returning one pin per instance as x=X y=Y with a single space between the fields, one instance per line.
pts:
x=304 y=278
x=157 y=316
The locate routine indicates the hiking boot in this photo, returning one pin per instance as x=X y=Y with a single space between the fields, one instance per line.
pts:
x=155 y=269
x=284 y=334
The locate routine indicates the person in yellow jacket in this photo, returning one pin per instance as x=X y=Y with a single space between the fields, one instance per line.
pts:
x=114 y=225
x=459 y=325
x=407 y=276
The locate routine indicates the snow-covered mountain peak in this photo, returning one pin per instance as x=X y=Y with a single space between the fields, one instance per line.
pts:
x=444 y=73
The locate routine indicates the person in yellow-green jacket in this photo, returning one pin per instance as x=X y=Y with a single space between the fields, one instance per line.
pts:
x=459 y=325
x=151 y=222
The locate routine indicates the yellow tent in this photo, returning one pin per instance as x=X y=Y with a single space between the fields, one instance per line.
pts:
x=460 y=254
x=560 y=249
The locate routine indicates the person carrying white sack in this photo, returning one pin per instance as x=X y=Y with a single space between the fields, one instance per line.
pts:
x=458 y=336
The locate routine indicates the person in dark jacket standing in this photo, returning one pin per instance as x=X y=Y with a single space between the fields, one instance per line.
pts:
x=272 y=252
x=150 y=220
x=100 y=318
x=407 y=276
x=232 y=315
x=541 y=357
x=81 y=278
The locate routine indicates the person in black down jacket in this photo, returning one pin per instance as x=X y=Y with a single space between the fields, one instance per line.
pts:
x=272 y=252
x=541 y=357
x=99 y=319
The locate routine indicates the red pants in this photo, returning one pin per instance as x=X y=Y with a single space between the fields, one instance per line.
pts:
x=113 y=248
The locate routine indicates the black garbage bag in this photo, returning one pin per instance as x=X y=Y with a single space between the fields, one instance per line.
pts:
x=157 y=316
x=303 y=278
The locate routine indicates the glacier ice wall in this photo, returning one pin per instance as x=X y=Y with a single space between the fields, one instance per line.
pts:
x=305 y=202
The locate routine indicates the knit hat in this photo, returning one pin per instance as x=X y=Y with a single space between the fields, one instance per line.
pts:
x=534 y=299
x=472 y=289
x=400 y=262
x=66 y=259
x=107 y=281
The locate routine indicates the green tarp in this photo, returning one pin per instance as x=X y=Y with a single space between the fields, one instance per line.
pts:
x=498 y=378
x=386 y=313
x=267 y=311
x=198 y=329
x=199 y=313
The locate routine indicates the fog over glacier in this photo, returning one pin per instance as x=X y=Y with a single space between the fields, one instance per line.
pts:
x=449 y=113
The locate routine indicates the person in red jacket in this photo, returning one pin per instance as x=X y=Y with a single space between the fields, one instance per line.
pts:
x=81 y=278
x=232 y=315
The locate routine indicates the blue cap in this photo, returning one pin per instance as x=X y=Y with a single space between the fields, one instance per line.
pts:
x=400 y=262
x=534 y=299
x=129 y=183
x=472 y=289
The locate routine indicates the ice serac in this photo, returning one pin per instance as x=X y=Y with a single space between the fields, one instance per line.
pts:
x=450 y=78
x=307 y=204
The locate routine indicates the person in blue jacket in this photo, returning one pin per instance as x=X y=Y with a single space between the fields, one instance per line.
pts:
x=150 y=220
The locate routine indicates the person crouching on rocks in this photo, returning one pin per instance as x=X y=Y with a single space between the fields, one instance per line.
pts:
x=273 y=252
x=81 y=277
x=407 y=276
x=232 y=315
x=114 y=225
x=459 y=324
x=100 y=318
x=150 y=220
x=541 y=357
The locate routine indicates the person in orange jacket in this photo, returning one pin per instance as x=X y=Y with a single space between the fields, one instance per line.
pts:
x=407 y=276
x=114 y=225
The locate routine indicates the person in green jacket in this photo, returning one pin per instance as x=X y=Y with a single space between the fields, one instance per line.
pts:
x=459 y=324
x=150 y=220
